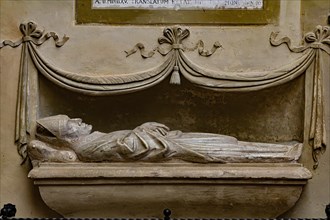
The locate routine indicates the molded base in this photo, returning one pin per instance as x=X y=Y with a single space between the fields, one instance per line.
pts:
x=189 y=190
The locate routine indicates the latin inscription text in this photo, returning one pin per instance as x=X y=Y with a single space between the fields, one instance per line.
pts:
x=177 y=4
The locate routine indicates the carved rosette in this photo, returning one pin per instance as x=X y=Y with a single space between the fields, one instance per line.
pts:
x=316 y=43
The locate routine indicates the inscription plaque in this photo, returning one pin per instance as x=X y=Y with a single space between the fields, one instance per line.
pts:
x=178 y=4
x=209 y=12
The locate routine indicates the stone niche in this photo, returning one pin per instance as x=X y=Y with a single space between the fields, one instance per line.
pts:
x=202 y=142
x=189 y=189
x=248 y=116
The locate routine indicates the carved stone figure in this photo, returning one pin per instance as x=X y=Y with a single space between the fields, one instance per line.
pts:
x=61 y=139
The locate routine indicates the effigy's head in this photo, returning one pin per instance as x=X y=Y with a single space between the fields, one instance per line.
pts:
x=62 y=127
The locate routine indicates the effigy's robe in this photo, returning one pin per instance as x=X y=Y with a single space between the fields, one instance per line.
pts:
x=147 y=145
x=152 y=142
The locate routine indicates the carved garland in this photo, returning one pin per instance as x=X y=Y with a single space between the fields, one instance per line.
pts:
x=315 y=45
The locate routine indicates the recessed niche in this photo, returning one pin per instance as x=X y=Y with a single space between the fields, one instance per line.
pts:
x=269 y=115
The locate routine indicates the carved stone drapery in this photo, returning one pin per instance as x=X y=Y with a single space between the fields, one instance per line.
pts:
x=30 y=36
x=176 y=63
x=172 y=41
x=317 y=42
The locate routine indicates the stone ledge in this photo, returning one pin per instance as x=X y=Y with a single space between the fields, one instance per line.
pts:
x=277 y=171
x=136 y=190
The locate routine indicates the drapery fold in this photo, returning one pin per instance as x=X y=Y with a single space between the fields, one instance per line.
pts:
x=317 y=133
x=243 y=81
x=92 y=84
x=21 y=127
x=319 y=42
x=176 y=64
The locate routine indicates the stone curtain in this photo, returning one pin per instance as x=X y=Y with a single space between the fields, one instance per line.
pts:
x=316 y=47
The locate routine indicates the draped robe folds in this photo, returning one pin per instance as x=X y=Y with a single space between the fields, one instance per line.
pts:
x=146 y=143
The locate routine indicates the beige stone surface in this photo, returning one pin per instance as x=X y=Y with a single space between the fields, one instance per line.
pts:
x=137 y=190
x=100 y=49
x=317 y=193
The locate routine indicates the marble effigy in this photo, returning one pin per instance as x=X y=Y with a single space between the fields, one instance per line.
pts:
x=62 y=139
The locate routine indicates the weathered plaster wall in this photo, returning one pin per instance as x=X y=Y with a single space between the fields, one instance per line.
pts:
x=317 y=193
x=100 y=49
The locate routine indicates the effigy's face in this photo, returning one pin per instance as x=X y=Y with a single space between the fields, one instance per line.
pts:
x=77 y=128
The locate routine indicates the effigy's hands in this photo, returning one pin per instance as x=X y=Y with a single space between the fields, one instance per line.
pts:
x=156 y=127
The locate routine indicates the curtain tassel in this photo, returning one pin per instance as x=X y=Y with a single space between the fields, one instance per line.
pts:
x=175 y=78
